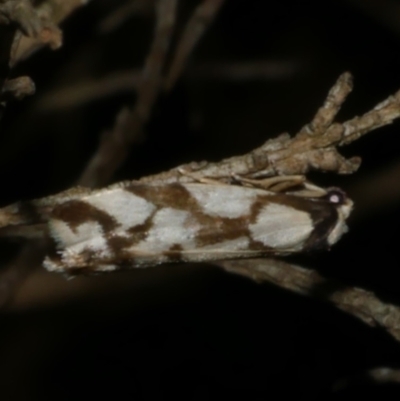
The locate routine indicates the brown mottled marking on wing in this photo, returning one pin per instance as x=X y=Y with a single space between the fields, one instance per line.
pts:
x=223 y=228
x=178 y=197
x=139 y=232
x=75 y=212
x=219 y=229
x=170 y=195
x=117 y=243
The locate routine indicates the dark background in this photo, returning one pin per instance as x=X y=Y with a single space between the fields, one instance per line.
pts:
x=195 y=332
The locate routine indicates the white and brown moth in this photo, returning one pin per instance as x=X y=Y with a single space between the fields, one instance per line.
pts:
x=137 y=225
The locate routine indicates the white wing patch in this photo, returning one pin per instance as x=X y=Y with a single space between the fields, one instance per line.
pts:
x=87 y=236
x=65 y=236
x=227 y=201
x=279 y=226
x=127 y=209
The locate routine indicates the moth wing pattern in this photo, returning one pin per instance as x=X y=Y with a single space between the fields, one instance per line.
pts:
x=136 y=225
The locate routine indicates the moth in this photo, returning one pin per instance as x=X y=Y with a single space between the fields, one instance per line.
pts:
x=132 y=224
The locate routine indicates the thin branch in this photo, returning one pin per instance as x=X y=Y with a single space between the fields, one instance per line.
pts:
x=314 y=147
x=360 y=303
x=17 y=88
x=16 y=16
x=50 y=13
x=22 y=13
x=325 y=116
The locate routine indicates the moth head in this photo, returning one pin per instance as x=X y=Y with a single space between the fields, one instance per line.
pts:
x=344 y=206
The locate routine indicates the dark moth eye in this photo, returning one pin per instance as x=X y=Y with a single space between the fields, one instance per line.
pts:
x=336 y=196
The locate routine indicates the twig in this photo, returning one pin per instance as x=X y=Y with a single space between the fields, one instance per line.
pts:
x=50 y=13
x=22 y=13
x=37 y=26
x=360 y=303
x=198 y=24
x=14 y=15
x=314 y=147
x=115 y=145
x=17 y=88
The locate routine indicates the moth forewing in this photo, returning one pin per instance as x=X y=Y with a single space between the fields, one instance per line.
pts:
x=137 y=225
